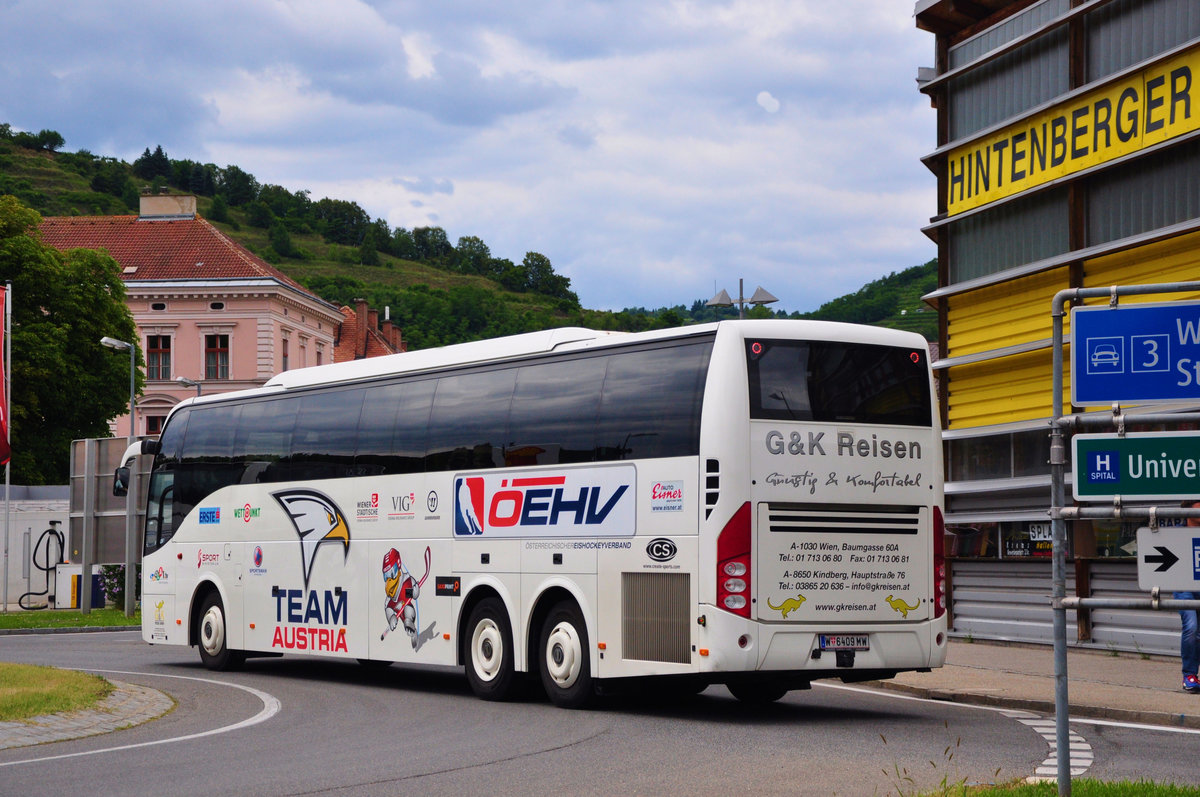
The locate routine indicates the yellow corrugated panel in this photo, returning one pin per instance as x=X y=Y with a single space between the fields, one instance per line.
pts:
x=1174 y=260
x=1005 y=390
x=1007 y=314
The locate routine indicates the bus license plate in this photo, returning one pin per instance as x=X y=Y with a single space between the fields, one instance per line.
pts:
x=845 y=642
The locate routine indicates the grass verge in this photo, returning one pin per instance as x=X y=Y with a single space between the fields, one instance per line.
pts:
x=1080 y=787
x=59 y=618
x=27 y=690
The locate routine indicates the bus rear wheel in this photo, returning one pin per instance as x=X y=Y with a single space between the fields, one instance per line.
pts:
x=757 y=692
x=563 y=659
x=211 y=634
x=489 y=659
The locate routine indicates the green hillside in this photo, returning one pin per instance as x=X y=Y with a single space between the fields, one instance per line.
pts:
x=437 y=292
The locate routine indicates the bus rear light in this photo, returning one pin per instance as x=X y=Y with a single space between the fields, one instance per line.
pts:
x=939 y=563
x=733 y=563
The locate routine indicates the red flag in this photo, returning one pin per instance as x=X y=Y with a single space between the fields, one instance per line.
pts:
x=5 y=451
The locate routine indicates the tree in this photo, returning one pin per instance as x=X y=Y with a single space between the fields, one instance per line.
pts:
x=281 y=239
x=239 y=187
x=50 y=140
x=65 y=385
x=219 y=210
x=432 y=244
x=152 y=165
x=472 y=255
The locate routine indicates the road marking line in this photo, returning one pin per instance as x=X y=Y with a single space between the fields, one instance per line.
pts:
x=271 y=707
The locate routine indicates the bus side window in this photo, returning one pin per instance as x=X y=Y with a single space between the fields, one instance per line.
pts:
x=651 y=403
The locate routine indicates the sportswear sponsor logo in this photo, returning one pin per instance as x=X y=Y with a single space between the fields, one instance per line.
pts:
x=661 y=549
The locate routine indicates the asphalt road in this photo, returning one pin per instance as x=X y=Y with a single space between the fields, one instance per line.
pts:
x=341 y=728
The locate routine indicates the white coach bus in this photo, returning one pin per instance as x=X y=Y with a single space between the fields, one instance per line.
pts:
x=751 y=503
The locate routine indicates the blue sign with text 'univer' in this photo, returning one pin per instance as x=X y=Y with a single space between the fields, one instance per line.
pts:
x=1141 y=353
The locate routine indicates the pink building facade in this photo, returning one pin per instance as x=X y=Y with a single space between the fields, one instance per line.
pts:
x=207 y=310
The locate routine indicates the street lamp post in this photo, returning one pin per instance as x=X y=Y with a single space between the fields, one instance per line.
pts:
x=131 y=498
x=183 y=380
x=722 y=299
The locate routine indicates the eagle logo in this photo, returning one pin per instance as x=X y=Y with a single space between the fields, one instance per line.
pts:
x=317 y=519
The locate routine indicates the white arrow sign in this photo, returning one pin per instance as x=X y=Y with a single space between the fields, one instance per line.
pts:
x=1169 y=558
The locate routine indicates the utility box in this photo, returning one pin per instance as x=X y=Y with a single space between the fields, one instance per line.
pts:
x=66 y=587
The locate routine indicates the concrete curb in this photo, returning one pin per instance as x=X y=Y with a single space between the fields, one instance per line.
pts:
x=1044 y=706
x=128 y=706
x=87 y=629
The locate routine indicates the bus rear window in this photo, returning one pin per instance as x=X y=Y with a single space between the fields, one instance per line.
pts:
x=827 y=381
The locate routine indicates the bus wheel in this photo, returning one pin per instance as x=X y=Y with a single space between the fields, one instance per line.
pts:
x=563 y=660
x=758 y=692
x=214 y=651
x=489 y=659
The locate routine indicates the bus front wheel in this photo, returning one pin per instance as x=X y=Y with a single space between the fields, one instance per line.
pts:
x=563 y=659
x=214 y=650
x=489 y=659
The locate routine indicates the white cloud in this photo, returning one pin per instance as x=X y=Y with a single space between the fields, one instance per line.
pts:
x=768 y=102
x=614 y=137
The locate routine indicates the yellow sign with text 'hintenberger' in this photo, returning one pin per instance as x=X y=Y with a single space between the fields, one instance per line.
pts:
x=1139 y=111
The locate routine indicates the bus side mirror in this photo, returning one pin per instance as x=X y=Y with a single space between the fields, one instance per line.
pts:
x=121 y=481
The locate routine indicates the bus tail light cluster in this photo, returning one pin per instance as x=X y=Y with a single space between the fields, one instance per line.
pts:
x=939 y=563
x=733 y=564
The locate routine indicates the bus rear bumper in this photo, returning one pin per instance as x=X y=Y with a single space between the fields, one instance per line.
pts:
x=739 y=645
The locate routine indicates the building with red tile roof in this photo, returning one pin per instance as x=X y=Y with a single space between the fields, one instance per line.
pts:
x=207 y=310
x=361 y=335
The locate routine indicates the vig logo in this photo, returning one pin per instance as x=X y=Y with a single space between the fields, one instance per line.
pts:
x=317 y=520
x=594 y=501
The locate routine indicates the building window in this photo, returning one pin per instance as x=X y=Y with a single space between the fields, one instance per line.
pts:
x=216 y=356
x=154 y=424
x=158 y=307
x=285 y=354
x=158 y=357
x=320 y=356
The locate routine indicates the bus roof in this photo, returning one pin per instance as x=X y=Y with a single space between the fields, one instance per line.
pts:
x=561 y=339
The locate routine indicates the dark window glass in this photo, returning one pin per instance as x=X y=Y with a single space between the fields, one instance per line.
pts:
x=651 y=403
x=206 y=464
x=554 y=409
x=326 y=435
x=469 y=421
x=393 y=427
x=987 y=457
x=838 y=382
x=1031 y=453
x=160 y=519
x=264 y=437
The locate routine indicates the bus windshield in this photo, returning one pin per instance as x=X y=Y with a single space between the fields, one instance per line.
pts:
x=837 y=381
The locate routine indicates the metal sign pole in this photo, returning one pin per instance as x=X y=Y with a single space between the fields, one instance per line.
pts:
x=1058 y=527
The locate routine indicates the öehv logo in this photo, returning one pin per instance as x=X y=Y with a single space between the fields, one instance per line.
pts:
x=592 y=502
x=660 y=549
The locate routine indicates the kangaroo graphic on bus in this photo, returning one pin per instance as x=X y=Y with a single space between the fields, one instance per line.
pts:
x=899 y=605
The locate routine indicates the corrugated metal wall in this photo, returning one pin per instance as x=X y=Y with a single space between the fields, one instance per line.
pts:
x=1010 y=600
x=1018 y=24
x=1015 y=233
x=1014 y=82
x=999 y=391
x=1010 y=85
x=1126 y=32
x=1152 y=192
x=1174 y=260
x=1003 y=315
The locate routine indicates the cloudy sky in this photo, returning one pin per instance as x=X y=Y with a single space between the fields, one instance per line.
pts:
x=654 y=150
